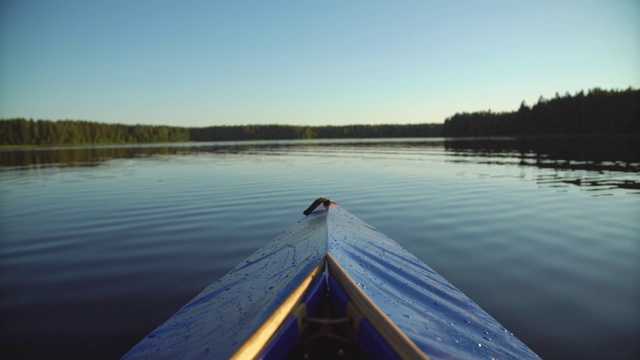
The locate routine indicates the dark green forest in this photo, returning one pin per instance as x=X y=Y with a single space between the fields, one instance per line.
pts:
x=598 y=112
x=282 y=132
x=20 y=132
x=68 y=132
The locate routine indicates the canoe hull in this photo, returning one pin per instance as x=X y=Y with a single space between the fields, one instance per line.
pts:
x=415 y=311
x=441 y=320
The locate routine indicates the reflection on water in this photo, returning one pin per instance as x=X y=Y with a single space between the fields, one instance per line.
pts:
x=573 y=153
x=81 y=156
x=596 y=163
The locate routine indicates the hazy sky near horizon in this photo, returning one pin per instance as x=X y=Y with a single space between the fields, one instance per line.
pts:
x=200 y=63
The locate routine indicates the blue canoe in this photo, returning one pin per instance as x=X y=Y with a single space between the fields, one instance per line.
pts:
x=331 y=286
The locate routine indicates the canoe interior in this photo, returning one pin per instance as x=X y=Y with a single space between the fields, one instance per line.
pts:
x=327 y=323
x=320 y=327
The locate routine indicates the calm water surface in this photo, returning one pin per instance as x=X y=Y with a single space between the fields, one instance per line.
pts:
x=99 y=245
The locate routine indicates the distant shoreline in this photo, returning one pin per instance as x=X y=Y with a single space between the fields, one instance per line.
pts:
x=445 y=138
x=598 y=112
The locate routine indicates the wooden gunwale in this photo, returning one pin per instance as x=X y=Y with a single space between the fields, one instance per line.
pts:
x=396 y=338
x=260 y=338
x=389 y=331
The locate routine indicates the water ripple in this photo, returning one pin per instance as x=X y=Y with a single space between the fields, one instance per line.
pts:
x=144 y=229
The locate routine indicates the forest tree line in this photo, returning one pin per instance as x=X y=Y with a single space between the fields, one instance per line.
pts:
x=45 y=132
x=69 y=132
x=284 y=132
x=599 y=112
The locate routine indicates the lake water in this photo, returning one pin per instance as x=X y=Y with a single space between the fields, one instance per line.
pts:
x=99 y=245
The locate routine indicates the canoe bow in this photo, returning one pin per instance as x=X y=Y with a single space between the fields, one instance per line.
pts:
x=414 y=310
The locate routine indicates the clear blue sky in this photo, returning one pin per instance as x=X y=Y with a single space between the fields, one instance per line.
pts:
x=200 y=63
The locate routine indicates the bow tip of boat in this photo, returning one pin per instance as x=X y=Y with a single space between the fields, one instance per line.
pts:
x=321 y=200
